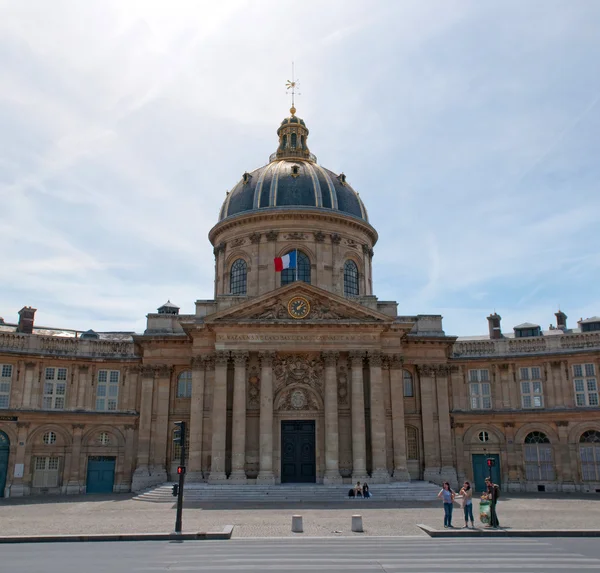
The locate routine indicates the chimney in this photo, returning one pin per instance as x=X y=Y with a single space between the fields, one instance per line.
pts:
x=494 y=326
x=561 y=320
x=26 y=315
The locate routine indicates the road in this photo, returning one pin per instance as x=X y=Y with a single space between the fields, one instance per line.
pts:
x=295 y=555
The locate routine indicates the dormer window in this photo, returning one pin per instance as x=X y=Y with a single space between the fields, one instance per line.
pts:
x=590 y=324
x=295 y=170
x=527 y=330
x=342 y=178
x=246 y=177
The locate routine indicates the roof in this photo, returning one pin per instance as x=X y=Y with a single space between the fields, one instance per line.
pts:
x=590 y=320
x=67 y=333
x=526 y=325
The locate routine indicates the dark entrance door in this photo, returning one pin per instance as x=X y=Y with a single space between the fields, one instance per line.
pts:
x=298 y=451
x=4 y=449
x=100 y=474
x=481 y=470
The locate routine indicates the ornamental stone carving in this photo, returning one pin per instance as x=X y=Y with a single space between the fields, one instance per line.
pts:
x=342 y=386
x=253 y=388
x=396 y=361
x=336 y=239
x=209 y=362
x=220 y=248
x=295 y=236
x=221 y=357
x=240 y=357
x=375 y=359
x=164 y=370
x=324 y=311
x=275 y=310
x=255 y=238
x=352 y=243
x=426 y=370
x=238 y=242
x=319 y=236
x=147 y=371
x=272 y=235
x=296 y=400
x=198 y=362
x=290 y=370
x=330 y=357
x=356 y=358
x=266 y=358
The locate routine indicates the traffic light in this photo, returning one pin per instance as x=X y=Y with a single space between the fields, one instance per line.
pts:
x=175 y=491
x=491 y=462
x=179 y=437
x=181 y=470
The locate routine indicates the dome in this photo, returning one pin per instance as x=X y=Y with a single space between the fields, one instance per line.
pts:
x=293 y=179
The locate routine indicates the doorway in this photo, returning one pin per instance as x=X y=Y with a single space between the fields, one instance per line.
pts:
x=4 y=450
x=298 y=462
x=100 y=474
x=481 y=470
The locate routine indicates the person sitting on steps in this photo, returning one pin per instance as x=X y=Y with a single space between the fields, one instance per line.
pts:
x=365 y=491
x=358 y=492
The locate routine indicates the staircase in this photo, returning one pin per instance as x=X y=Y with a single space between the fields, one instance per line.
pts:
x=295 y=493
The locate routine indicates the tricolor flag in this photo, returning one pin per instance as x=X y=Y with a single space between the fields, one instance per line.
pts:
x=286 y=262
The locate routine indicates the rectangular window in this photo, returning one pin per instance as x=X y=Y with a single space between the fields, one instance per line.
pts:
x=55 y=389
x=107 y=390
x=5 y=381
x=184 y=384
x=45 y=472
x=408 y=384
x=532 y=395
x=481 y=396
x=585 y=385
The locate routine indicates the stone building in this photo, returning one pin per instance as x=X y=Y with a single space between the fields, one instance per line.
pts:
x=297 y=376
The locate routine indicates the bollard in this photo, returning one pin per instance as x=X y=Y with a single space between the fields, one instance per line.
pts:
x=297 y=524
x=357 y=525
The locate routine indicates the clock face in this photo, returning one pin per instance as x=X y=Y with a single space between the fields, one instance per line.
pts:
x=298 y=307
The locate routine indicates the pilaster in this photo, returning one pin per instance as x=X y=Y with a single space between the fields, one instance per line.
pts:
x=448 y=469
x=398 y=422
x=219 y=419
x=74 y=485
x=265 y=475
x=380 y=473
x=432 y=463
x=238 y=442
x=332 y=467
x=142 y=477
x=359 y=447
x=196 y=420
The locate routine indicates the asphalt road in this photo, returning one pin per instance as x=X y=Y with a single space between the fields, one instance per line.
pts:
x=295 y=555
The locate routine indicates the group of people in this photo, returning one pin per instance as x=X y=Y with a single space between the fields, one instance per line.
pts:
x=360 y=490
x=447 y=495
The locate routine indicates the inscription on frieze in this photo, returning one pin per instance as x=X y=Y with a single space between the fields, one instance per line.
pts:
x=258 y=338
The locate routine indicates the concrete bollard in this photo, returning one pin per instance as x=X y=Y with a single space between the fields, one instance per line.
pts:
x=297 y=524
x=357 y=525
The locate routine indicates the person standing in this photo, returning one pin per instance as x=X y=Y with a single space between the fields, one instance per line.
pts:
x=493 y=491
x=467 y=503
x=447 y=496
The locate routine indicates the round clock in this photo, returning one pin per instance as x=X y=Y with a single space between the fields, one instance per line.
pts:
x=298 y=307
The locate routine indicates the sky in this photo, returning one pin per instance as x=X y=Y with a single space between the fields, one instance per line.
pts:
x=470 y=129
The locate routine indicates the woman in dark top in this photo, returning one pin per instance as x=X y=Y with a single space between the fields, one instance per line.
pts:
x=366 y=492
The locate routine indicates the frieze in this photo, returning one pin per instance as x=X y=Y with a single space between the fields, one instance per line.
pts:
x=23 y=424
x=316 y=338
x=352 y=243
x=275 y=310
x=295 y=236
x=509 y=424
x=78 y=426
x=237 y=242
x=298 y=369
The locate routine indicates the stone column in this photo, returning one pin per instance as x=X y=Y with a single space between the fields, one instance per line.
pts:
x=129 y=463
x=398 y=422
x=448 y=469
x=219 y=419
x=380 y=473
x=432 y=463
x=83 y=373
x=562 y=457
x=337 y=282
x=461 y=469
x=196 y=420
x=359 y=447
x=332 y=440
x=548 y=386
x=514 y=483
x=18 y=487
x=141 y=476
x=505 y=384
x=30 y=375
x=265 y=474
x=238 y=425
x=74 y=483
x=161 y=433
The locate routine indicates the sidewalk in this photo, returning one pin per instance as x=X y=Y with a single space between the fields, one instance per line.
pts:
x=120 y=514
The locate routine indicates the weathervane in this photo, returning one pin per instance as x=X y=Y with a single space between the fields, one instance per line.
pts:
x=292 y=85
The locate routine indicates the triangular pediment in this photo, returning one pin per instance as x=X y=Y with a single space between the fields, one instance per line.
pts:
x=323 y=306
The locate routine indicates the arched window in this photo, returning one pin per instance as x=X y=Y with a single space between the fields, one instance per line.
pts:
x=350 y=279
x=589 y=455
x=538 y=457
x=412 y=443
x=289 y=275
x=184 y=384
x=407 y=378
x=237 y=277
x=283 y=142
x=293 y=140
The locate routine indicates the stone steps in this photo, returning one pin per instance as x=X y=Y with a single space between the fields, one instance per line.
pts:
x=250 y=493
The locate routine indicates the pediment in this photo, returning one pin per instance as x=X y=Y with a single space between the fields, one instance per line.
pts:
x=324 y=307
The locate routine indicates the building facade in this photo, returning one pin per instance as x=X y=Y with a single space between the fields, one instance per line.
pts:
x=297 y=376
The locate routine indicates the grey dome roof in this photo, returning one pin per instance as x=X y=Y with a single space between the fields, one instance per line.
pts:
x=288 y=183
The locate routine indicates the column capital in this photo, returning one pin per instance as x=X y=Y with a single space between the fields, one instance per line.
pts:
x=375 y=358
x=266 y=357
x=78 y=426
x=147 y=371
x=85 y=367
x=330 y=357
x=396 y=361
x=426 y=369
x=198 y=361
x=209 y=362
x=164 y=370
x=240 y=357
x=23 y=424
x=221 y=357
x=356 y=357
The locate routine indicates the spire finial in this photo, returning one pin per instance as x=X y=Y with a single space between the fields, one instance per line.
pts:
x=292 y=85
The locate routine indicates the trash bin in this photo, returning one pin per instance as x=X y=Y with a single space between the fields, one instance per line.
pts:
x=485 y=511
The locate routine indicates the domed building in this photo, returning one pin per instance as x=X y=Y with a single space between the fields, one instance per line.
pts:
x=295 y=372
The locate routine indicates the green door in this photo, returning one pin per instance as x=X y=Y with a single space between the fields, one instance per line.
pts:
x=100 y=474
x=481 y=470
x=4 y=449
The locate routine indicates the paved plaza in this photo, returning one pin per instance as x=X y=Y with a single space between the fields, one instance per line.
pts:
x=122 y=514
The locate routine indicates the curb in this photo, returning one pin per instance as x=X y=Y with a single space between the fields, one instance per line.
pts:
x=225 y=534
x=509 y=532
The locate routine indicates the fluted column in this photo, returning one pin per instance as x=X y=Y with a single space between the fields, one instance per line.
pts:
x=448 y=469
x=219 y=419
x=265 y=474
x=238 y=436
x=379 y=473
x=196 y=419
x=359 y=447
x=430 y=440
x=398 y=422
x=141 y=476
x=332 y=441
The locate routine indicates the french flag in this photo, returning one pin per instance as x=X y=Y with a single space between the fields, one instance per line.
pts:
x=286 y=262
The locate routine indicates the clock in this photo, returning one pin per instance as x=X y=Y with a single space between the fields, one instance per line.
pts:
x=298 y=307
